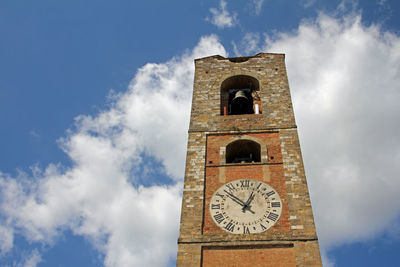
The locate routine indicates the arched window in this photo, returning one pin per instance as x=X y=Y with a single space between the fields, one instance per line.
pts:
x=240 y=95
x=242 y=151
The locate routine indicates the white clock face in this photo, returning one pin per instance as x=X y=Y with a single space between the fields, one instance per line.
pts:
x=245 y=206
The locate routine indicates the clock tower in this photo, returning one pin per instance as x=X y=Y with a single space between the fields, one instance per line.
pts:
x=245 y=196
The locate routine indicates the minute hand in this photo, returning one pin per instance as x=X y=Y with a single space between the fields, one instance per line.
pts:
x=235 y=198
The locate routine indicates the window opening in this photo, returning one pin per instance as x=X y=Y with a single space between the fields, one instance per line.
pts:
x=243 y=151
x=240 y=95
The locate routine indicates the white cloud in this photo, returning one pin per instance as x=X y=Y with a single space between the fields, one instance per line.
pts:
x=327 y=261
x=307 y=3
x=382 y=2
x=99 y=196
x=32 y=260
x=221 y=17
x=34 y=134
x=249 y=45
x=346 y=5
x=6 y=238
x=257 y=6
x=344 y=79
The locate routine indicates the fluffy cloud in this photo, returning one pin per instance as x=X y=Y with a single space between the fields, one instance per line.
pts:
x=250 y=44
x=221 y=17
x=344 y=79
x=100 y=196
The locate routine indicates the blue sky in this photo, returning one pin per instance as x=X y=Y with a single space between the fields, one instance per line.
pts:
x=87 y=178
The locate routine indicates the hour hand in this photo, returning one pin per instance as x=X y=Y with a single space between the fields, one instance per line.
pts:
x=250 y=199
x=246 y=205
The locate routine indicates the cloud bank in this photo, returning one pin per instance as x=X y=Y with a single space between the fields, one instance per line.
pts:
x=100 y=196
x=345 y=79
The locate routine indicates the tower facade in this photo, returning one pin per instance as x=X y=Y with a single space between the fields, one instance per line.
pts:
x=245 y=197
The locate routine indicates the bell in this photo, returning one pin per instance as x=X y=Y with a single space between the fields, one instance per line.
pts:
x=240 y=103
x=238 y=94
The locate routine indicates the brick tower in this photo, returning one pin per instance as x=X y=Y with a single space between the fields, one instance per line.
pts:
x=245 y=197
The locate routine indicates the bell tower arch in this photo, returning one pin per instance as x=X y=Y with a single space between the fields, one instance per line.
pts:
x=240 y=95
x=245 y=196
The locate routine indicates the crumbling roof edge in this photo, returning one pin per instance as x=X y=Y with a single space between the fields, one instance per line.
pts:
x=238 y=59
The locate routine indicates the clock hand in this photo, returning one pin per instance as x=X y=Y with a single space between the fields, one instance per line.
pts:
x=250 y=198
x=246 y=205
x=247 y=208
x=238 y=200
x=234 y=198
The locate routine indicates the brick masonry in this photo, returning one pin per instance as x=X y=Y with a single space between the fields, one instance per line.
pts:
x=249 y=256
x=293 y=237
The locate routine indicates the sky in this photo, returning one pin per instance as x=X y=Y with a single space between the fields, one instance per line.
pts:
x=94 y=110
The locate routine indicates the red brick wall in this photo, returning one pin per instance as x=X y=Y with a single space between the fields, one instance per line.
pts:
x=249 y=257
x=240 y=171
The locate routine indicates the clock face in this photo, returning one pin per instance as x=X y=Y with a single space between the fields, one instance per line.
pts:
x=245 y=206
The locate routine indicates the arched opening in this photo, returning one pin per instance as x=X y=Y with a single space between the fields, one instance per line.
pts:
x=243 y=151
x=240 y=94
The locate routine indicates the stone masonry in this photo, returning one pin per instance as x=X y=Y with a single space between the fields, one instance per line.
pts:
x=292 y=241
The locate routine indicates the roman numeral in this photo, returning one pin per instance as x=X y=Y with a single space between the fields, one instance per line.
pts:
x=246 y=230
x=230 y=187
x=270 y=193
x=244 y=183
x=216 y=206
x=263 y=227
x=219 y=217
x=259 y=185
x=273 y=216
x=230 y=227
x=221 y=196
x=276 y=204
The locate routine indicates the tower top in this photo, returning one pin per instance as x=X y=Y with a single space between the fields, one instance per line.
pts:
x=240 y=59
x=261 y=79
